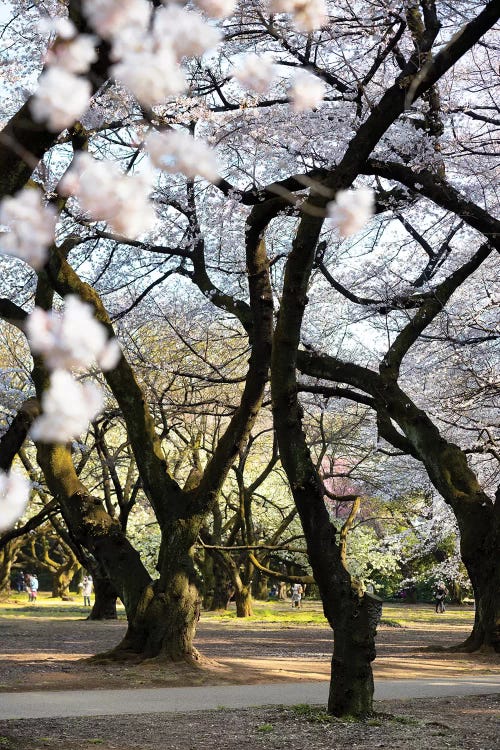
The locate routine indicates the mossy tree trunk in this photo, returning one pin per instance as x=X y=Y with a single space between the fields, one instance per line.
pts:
x=62 y=578
x=105 y=596
x=8 y=553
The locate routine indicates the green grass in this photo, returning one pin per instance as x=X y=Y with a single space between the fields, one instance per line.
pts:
x=267 y=613
x=46 y=608
x=265 y=728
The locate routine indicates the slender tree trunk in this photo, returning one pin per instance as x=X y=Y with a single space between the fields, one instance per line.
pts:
x=105 y=596
x=63 y=577
x=8 y=555
x=243 y=598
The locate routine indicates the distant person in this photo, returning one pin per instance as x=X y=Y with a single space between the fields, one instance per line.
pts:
x=282 y=591
x=19 y=582
x=86 y=586
x=273 y=593
x=33 y=590
x=297 y=592
x=440 y=593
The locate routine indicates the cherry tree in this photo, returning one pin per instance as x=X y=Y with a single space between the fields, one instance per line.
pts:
x=300 y=100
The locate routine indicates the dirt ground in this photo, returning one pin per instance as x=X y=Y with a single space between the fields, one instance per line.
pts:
x=41 y=652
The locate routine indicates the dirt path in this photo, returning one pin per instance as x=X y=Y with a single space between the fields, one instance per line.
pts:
x=39 y=653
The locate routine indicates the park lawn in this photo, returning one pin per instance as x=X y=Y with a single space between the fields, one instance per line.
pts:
x=395 y=614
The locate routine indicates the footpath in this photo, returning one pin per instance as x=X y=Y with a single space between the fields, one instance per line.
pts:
x=60 y=704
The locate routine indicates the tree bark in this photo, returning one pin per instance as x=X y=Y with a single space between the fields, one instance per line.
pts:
x=63 y=577
x=8 y=555
x=105 y=596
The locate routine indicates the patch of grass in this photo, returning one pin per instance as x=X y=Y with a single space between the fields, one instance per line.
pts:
x=46 y=608
x=6 y=743
x=265 y=728
x=312 y=714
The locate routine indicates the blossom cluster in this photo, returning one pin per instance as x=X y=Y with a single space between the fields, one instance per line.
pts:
x=62 y=95
x=351 y=209
x=306 y=92
x=73 y=339
x=67 y=408
x=177 y=151
x=147 y=47
x=14 y=496
x=308 y=15
x=31 y=227
x=108 y=195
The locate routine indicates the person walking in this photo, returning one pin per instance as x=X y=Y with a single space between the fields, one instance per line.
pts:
x=86 y=586
x=33 y=591
x=440 y=593
x=297 y=591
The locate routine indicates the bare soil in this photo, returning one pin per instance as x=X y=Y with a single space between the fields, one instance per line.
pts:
x=40 y=653
x=423 y=724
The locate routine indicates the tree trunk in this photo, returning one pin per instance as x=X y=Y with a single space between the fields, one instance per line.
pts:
x=165 y=620
x=260 y=588
x=8 y=554
x=63 y=577
x=351 y=685
x=105 y=596
x=480 y=546
x=243 y=598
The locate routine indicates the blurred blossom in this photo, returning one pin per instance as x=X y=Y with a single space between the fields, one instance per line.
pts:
x=67 y=409
x=351 y=210
x=151 y=73
x=308 y=15
x=110 y=17
x=73 y=339
x=14 y=496
x=187 y=32
x=74 y=55
x=177 y=151
x=108 y=195
x=61 y=26
x=217 y=8
x=32 y=226
x=255 y=73
x=61 y=98
x=307 y=92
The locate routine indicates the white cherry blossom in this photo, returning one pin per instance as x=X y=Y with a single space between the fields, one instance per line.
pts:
x=255 y=73
x=14 y=496
x=307 y=92
x=217 y=8
x=188 y=33
x=308 y=15
x=151 y=74
x=32 y=226
x=73 y=339
x=110 y=17
x=62 y=26
x=74 y=55
x=61 y=98
x=67 y=408
x=108 y=195
x=351 y=210
x=177 y=151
